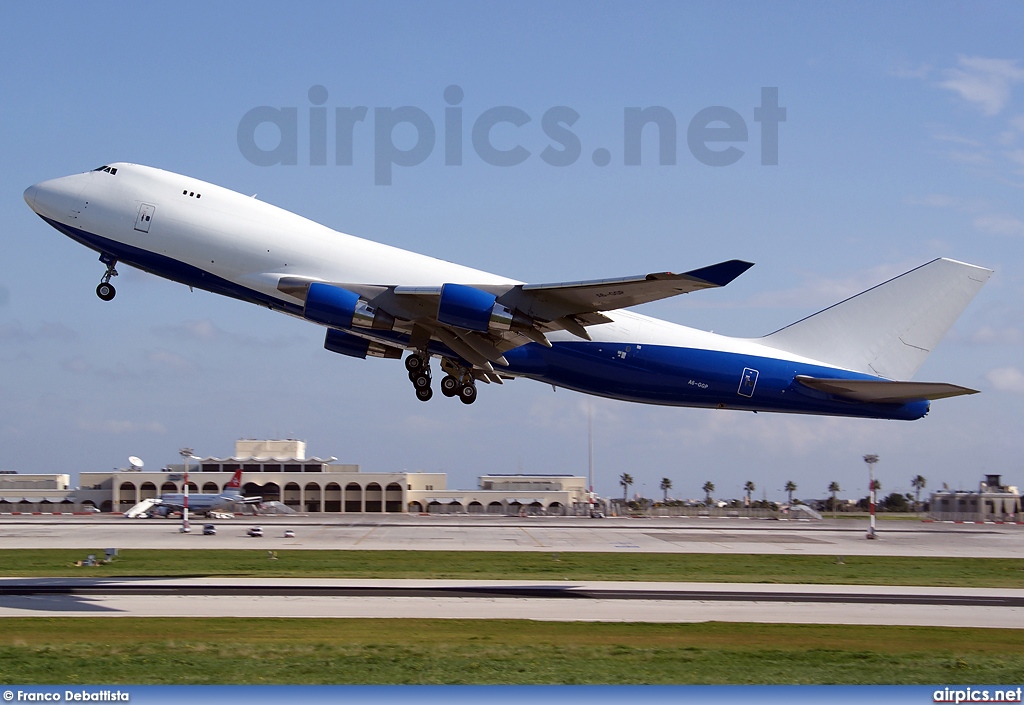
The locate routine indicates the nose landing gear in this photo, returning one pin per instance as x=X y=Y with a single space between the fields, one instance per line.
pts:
x=106 y=290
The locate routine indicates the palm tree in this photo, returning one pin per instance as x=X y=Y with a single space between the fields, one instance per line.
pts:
x=666 y=485
x=834 y=488
x=790 y=488
x=918 y=484
x=709 y=487
x=625 y=480
x=749 y=487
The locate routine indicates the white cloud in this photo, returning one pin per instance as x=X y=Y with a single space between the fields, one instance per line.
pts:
x=169 y=360
x=935 y=200
x=999 y=225
x=955 y=139
x=984 y=82
x=906 y=70
x=817 y=290
x=987 y=335
x=17 y=332
x=205 y=331
x=971 y=158
x=1006 y=379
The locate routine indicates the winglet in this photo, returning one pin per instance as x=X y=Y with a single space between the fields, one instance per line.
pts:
x=722 y=273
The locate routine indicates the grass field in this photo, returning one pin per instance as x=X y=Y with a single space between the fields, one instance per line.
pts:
x=373 y=651
x=854 y=570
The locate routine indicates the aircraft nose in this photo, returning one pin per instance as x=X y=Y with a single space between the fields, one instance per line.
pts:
x=30 y=195
x=55 y=198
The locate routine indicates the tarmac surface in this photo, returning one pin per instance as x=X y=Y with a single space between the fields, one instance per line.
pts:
x=510 y=599
x=464 y=533
x=534 y=600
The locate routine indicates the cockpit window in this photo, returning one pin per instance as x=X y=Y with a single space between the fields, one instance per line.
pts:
x=109 y=170
x=101 y=168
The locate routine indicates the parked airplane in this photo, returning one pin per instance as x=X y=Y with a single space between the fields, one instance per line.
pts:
x=206 y=503
x=378 y=301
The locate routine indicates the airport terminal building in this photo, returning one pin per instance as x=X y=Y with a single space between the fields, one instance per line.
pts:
x=993 y=502
x=279 y=472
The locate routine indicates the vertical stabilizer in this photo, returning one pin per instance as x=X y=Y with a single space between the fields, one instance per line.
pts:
x=888 y=330
x=236 y=481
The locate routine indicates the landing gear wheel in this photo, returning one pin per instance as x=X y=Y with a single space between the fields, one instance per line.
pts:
x=468 y=394
x=414 y=363
x=449 y=386
x=106 y=291
x=424 y=393
x=421 y=381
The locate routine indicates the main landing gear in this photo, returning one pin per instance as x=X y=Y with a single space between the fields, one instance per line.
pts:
x=419 y=374
x=106 y=290
x=458 y=382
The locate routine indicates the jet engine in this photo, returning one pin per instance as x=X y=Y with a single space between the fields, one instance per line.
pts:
x=340 y=308
x=354 y=346
x=472 y=309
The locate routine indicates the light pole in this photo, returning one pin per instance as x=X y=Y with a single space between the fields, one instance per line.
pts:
x=186 y=455
x=590 y=460
x=871 y=460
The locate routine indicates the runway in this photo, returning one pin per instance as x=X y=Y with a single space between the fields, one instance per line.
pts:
x=465 y=533
x=512 y=599
x=534 y=600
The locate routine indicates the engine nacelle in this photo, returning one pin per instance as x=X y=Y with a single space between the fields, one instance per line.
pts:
x=470 y=308
x=344 y=344
x=337 y=307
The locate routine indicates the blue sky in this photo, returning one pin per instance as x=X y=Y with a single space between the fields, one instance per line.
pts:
x=903 y=141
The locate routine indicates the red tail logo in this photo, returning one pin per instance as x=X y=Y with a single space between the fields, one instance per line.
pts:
x=236 y=481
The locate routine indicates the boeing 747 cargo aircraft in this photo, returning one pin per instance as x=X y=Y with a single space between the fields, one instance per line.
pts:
x=852 y=359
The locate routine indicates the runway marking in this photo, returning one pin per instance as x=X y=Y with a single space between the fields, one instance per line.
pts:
x=532 y=537
x=695 y=537
x=360 y=540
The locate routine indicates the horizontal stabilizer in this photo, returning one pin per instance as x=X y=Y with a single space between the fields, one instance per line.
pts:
x=883 y=391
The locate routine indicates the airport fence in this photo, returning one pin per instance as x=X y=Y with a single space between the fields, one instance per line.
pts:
x=45 y=507
x=976 y=517
x=710 y=512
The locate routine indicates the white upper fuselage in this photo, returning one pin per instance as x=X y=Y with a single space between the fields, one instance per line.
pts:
x=254 y=245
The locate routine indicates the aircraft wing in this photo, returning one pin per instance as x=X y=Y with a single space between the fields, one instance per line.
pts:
x=573 y=305
x=532 y=309
x=883 y=391
x=553 y=301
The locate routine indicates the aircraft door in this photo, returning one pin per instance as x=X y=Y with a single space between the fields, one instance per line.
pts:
x=146 y=212
x=748 y=380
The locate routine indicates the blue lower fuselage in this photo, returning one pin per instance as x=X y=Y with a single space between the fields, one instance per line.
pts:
x=645 y=373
